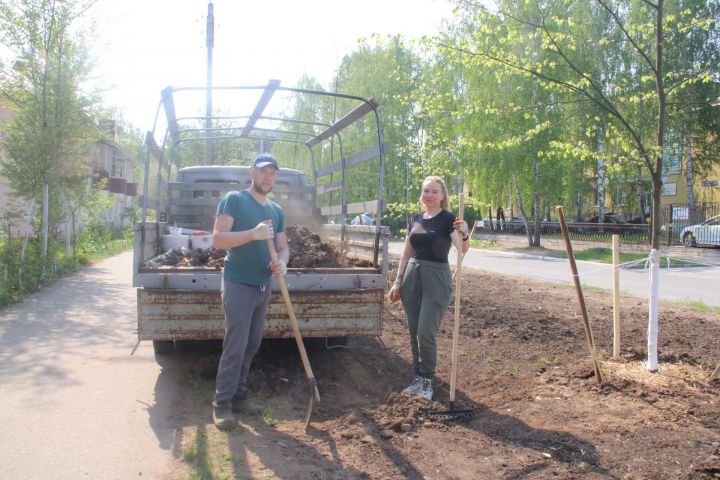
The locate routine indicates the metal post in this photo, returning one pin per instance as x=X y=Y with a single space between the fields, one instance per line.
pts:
x=208 y=101
x=670 y=224
x=616 y=294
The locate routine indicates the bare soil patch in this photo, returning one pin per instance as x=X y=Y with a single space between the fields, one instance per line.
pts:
x=524 y=367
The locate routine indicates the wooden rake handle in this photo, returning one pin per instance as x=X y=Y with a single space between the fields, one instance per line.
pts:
x=293 y=320
x=456 y=323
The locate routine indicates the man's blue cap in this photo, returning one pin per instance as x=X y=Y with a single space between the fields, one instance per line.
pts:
x=265 y=159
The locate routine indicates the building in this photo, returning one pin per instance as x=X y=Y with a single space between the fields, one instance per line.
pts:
x=107 y=159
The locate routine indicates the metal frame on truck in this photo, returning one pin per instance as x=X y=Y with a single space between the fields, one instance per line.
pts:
x=183 y=304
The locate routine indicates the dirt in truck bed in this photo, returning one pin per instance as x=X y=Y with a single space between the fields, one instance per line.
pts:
x=307 y=250
x=524 y=369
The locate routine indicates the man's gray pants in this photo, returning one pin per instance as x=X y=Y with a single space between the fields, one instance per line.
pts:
x=245 y=309
x=425 y=291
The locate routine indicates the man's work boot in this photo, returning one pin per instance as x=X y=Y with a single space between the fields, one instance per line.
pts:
x=246 y=405
x=223 y=417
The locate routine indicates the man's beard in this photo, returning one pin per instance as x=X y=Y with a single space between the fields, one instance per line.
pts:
x=259 y=189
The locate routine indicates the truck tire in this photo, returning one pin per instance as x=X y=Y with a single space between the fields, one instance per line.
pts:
x=163 y=347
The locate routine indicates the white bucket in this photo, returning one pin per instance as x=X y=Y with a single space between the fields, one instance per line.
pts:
x=170 y=242
x=202 y=242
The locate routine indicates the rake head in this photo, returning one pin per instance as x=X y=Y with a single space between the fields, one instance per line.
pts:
x=452 y=414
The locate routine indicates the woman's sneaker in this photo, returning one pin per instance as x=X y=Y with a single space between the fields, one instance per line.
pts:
x=425 y=391
x=413 y=389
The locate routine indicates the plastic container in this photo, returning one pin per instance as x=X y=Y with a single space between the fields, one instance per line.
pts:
x=201 y=240
x=170 y=242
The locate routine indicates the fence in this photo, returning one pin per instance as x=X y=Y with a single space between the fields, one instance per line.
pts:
x=679 y=216
x=629 y=232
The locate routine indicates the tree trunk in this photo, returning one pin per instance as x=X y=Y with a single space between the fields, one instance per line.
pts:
x=690 y=174
x=579 y=206
x=600 y=179
x=537 y=213
x=640 y=195
x=518 y=196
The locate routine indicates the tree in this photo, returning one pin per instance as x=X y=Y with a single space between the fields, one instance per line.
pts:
x=642 y=29
x=52 y=127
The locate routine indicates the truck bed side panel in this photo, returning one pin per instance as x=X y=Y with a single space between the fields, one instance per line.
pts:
x=194 y=315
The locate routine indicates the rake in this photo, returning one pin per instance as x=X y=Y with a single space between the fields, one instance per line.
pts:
x=453 y=414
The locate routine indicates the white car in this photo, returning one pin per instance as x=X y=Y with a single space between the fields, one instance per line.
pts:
x=707 y=233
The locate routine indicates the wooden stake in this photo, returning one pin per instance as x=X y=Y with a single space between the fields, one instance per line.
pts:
x=616 y=295
x=581 y=299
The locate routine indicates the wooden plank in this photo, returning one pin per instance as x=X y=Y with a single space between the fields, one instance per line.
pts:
x=329 y=187
x=229 y=187
x=213 y=202
x=354 y=115
x=265 y=98
x=362 y=156
x=356 y=208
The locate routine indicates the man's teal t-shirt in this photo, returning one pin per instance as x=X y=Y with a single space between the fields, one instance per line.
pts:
x=249 y=263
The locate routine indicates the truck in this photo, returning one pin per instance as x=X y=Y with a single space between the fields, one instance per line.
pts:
x=332 y=169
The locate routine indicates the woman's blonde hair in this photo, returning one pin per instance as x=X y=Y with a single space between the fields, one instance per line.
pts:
x=444 y=203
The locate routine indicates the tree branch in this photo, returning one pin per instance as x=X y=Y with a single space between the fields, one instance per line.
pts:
x=627 y=35
x=709 y=68
x=688 y=26
x=542 y=105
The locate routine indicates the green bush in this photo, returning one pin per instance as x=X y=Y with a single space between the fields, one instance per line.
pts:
x=397 y=214
x=94 y=243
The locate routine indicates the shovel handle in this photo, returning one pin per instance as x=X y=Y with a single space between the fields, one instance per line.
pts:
x=293 y=321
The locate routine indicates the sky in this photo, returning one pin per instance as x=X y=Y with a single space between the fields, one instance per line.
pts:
x=144 y=46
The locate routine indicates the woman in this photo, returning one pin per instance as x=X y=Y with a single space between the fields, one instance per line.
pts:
x=424 y=282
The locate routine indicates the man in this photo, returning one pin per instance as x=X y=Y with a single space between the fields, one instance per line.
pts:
x=364 y=219
x=245 y=221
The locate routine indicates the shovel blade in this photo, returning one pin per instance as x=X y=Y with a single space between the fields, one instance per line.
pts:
x=314 y=398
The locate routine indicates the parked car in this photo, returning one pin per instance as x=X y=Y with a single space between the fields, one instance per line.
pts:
x=705 y=233
x=612 y=223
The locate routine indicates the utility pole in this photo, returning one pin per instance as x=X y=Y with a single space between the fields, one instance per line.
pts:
x=208 y=102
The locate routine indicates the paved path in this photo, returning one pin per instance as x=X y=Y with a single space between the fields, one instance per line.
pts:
x=75 y=403
x=676 y=284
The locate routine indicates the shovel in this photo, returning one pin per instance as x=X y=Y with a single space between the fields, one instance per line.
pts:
x=453 y=414
x=314 y=395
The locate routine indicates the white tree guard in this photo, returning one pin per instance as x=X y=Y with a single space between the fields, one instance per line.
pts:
x=652 y=361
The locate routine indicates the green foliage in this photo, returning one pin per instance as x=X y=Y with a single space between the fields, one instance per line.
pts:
x=19 y=279
x=397 y=215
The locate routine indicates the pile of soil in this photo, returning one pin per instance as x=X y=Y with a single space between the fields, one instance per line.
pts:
x=524 y=368
x=307 y=250
x=182 y=257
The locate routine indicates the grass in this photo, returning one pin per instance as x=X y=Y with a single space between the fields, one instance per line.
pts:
x=699 y=306
x=604 y=255
x=484 y=244
x=206 y=459
x=111 y=249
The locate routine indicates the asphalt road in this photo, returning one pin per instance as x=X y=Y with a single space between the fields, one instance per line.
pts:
x=698 y=283
x=75 y=402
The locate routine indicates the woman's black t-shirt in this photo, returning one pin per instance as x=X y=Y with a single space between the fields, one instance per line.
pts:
x=430 y=237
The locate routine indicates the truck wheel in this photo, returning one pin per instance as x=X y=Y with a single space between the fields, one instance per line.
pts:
x=163 y=347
